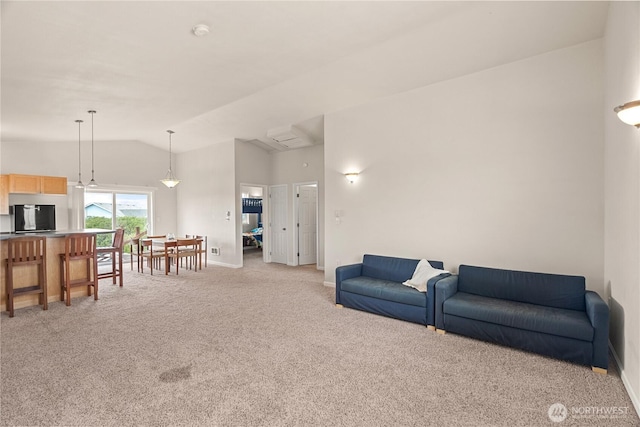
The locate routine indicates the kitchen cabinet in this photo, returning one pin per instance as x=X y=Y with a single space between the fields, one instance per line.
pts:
x=29 y=184
x=4 y=194
x=53 y=185
x=24 y=184
x=36 y=184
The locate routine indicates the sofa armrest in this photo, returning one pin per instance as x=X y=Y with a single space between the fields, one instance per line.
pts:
x=598 y=314
x=345 y=272
x=445 y=289
x=431 y=297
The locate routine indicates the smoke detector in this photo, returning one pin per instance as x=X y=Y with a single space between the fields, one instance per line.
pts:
x=200 y=30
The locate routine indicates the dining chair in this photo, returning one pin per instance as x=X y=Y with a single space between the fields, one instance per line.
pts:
x=114 y=251
x=153 y=255
x=134 y=247
x=32 y=252
x=182 y=249
x=202 y=247
x=78 y=248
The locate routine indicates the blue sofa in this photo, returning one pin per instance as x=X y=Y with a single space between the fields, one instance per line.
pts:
x=548 y=314
x=375 y=285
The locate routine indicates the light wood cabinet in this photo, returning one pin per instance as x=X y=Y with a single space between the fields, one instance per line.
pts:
x=24 y=184
x=35 y=184
x=4 y=194
x=29 y=184
x=53 y=185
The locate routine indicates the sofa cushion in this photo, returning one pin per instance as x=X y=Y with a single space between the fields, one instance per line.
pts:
x=384 y=289
x=391 y=268
x=552 y=290
x=388 y=268
x=549 y=320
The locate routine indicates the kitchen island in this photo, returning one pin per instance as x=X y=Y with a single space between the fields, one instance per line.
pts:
x=25 y=276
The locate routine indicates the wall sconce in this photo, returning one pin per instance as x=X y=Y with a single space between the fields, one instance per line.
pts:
x=629 y=113
x=351 y=177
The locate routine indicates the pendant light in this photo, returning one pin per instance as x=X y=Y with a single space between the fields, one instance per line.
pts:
x=93 y=182
x=169 y=179
x=79 y=184
x=629 y=113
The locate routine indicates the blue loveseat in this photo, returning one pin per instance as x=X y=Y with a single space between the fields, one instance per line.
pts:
x=375 y=285
x=548 y=314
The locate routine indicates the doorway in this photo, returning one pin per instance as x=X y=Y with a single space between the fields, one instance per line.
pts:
x=252 y=221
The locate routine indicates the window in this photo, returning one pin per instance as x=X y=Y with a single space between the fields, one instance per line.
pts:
x=132 y=210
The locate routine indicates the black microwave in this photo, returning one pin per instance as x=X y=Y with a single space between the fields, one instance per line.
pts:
x=34 y=218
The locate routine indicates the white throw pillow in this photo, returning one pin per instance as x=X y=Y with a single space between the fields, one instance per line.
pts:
x=421 y=276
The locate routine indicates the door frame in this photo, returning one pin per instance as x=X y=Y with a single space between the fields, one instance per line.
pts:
x=296 y=232
x=266 y=217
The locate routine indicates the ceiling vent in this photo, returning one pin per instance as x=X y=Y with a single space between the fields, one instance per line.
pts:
x=288 y=137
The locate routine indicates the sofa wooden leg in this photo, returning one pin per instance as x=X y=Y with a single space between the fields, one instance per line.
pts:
x=339 y=305
x=431 y=327
x=599 y=370
x=441 y=331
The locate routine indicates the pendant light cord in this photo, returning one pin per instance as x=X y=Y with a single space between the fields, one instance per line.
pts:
x=79 y=156
x=170 y=132
x=92 y=112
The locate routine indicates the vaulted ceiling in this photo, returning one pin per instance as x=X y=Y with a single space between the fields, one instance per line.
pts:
x=263 y=65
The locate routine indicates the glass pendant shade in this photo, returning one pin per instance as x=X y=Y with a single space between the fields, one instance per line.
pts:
x=79 y=184
x=629 y=113
x=170 y=179
x=93 y=182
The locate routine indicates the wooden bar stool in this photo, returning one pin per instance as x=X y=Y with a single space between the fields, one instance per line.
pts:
x=114 y=251
x=27 y=251
x=79 y=247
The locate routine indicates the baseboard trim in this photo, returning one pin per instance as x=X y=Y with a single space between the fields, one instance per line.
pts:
x=329 y=284
x=224 y=264
x=625 y=381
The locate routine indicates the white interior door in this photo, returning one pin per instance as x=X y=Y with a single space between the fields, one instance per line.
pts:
x=307 y=224
x=278 y=209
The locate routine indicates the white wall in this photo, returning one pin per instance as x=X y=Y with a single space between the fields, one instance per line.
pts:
x=128 y=163
x=206 y=193
x=622 y=191
x=212 y=181
x=288 y=167
x=252 y=168
x=500 y=168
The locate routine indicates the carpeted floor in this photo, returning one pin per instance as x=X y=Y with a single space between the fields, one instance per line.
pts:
x=265 y=346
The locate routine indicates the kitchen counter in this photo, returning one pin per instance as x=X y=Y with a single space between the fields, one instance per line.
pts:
x=25 y=276
x=57 y=233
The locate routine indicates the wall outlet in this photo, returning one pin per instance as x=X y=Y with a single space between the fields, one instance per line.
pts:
x=215 y=251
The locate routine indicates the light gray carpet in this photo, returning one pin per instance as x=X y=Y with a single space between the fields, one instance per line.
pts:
x=265 y=345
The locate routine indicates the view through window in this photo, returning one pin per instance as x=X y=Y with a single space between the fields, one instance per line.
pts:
x=131 y=211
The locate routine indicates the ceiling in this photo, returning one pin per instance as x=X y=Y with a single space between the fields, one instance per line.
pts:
x=264 y=64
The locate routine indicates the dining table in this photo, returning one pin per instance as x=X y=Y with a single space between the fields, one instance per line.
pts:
x=169 y=244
